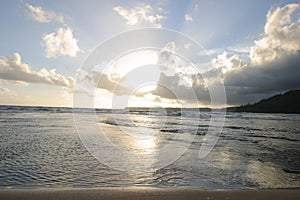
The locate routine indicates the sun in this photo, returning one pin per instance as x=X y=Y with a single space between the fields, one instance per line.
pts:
x=133 y=60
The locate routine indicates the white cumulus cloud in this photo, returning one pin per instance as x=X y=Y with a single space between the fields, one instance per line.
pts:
x=188 y=17
x=62 y=42
x=281 y=36
x=142 y=13
x=12 y=68
x=228 y=64
x=36 y=13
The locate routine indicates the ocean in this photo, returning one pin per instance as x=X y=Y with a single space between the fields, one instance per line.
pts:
x=41 y=148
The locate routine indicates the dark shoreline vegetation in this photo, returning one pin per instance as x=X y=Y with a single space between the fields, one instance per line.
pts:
x=287 y=103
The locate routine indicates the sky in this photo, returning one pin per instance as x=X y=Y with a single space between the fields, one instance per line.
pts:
x=251 y=48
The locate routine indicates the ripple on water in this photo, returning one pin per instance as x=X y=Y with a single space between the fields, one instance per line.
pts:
x=41 y=148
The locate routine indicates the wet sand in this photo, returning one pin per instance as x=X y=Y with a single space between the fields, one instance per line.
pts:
x=147 y=193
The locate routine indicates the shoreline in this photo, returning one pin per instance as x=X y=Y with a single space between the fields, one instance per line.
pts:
x=146 y=193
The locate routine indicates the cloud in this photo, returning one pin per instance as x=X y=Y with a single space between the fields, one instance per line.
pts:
x=187 y=45
x=178 y=80
x=246 y=82
x=62 y=42
x=166 y=56
x=121 y=76
x=272 y=67
x=142 y=13
x=5 y=91
x=278 y=75
x=185 y=85
x=281 y=36
x=13 y=82
x=239 y=49
x=188 y=17
x=97 y=79
x=274 y=60
x=171 y=87
x=7 y=96
x=211 y=52
x=196 y=7
x=36 y=13
x=12 y=68
x=228 y=64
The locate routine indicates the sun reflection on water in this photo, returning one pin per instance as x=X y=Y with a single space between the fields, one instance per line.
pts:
x=145 y=136
x=145 y=142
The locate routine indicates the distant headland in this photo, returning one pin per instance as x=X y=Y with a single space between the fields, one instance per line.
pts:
x=288 y=103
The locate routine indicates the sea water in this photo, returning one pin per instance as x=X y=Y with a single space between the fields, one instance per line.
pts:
x=40 y=147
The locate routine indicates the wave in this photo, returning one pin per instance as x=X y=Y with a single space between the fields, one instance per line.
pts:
x=263 y=116
x=274 y=137
x=170 y=130
x=118 y=122
x=291 y=171
x=243 y=128
x=19 y=109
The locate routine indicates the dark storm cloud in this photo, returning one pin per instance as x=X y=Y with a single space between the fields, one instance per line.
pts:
x=170 y=87
x=279 y=75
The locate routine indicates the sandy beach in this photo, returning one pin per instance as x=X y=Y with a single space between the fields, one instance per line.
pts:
x=147 y=193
